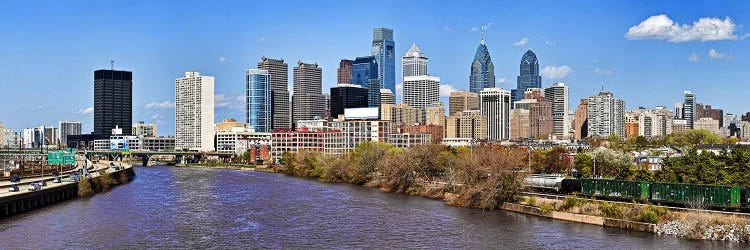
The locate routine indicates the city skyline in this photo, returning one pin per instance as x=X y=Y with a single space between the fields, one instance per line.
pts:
x=629 y=59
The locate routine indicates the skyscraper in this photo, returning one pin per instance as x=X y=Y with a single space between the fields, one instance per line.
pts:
x=688 y=109
x=383 y=49
x=307 y=99
x=461 y=101
x=482 y=70
x=365 y=74
x=557 y=94
x=421 y=91
x=278 y=71
x=580 y=122
x=529 y=75
x=258 y=97
x=414 y=63
x=495 y=105
x=68 y=128
x=606 y=115
x=346 y=96
x=194 y=112
x=113 y=102
x=344 y=72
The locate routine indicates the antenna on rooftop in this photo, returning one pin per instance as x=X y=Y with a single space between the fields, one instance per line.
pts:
x=112 y=65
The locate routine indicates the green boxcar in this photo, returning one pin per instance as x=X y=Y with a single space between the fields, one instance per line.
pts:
x=711 y=195
x=615 y=188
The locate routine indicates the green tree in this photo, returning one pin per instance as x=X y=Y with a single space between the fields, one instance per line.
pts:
x=693 y=137
x=582 y=163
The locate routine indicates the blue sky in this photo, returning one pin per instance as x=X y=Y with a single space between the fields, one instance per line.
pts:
x=49 y=49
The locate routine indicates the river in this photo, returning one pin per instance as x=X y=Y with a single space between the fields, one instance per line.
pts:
x=194 y=208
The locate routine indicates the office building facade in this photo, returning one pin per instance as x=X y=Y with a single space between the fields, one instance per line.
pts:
x=278 y=72
x=307 y=100
x=113 y=102
x=194 y=112
x=495 y=106
x=259 y=101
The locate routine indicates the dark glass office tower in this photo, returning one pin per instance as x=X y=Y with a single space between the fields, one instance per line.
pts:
x=346 y=96
x=365 y=74
x=528 y=77
x=113 y=102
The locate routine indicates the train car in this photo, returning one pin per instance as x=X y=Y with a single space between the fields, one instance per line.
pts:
x=569 y=186
x=696 y=194
x=615 y=189
x=544 y=181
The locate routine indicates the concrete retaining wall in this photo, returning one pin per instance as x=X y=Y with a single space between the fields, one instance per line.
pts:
x=581 y=218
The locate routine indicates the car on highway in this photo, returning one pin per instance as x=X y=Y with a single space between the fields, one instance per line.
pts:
x=35 y=187
x=15 y=178
x=57 y=179
x=42 y=183
x=13 y=188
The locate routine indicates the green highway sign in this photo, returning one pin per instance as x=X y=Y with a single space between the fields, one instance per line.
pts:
x=61 y=157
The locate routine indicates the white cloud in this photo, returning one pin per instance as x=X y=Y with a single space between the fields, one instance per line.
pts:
x=661 y=27
x=446 y=90
x=521 y=42
x=222 y=59
x=262 y=39
x=221 y=101
x=240 y=98
x=694 y=58
x=160 y=105
x=448 y=29
x=599 y=71
x=502 y=80
x=474 y=29
x=155 y=116
x=594 y=60
x=399 y=88
x=713 y=54
x=85 y=111
x=555 y=72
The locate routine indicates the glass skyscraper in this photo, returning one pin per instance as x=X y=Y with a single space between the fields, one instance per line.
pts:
x=529 y=75
x=482 y=70
x=365 y=73
x=258 y=100
x=383 y=48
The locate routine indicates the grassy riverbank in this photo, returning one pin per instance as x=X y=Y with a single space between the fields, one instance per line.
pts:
x=489 y=177
x=104 y=181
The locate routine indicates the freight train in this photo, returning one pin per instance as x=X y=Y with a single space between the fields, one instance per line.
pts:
x=675 y=194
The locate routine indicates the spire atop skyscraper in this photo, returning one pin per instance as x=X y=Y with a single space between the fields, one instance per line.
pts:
x=482 y=70
x=482 y=35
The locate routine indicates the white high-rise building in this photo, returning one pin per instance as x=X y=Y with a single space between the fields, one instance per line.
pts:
x=414 y=63
x=68 y=128
x=194 y=112
x=495 y=105
x=557 y=94
x=606 y=115
x=421 y=91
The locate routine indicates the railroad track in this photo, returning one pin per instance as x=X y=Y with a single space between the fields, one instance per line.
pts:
x=562 y=197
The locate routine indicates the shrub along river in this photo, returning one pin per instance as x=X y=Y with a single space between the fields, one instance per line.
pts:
x=193 y=208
